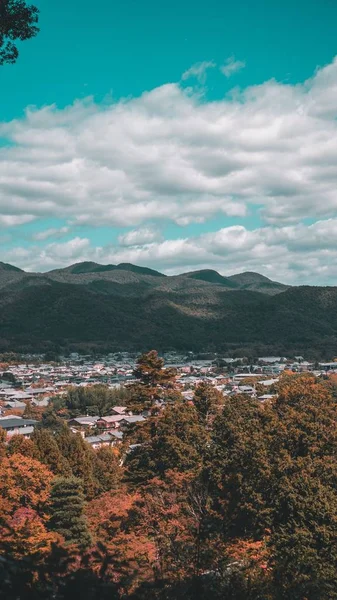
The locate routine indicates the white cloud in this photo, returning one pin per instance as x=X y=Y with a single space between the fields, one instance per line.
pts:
x=139 y=237
x=198 y=71
x=171 y=156
x=52 y=232
x=293 y=254
x=14 y=220
x=232 y=66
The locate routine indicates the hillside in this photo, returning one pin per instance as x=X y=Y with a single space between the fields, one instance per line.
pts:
x=133 y=309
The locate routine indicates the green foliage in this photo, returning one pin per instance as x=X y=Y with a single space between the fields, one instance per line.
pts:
x=67 y=511
x=223 y=498
x=49 y=453
x=207 y=401
x=173 y=440
x=18 y=444
x=18 y=21
x=186 y=315
x=107 y=469
x=80 y=457
x=94 y=400
x=152 y=380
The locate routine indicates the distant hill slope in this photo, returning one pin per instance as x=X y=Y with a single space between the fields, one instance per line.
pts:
x=7 y=267
x=134 y=308
x=257 y=283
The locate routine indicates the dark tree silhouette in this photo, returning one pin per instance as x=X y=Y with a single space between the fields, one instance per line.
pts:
x=18 y=21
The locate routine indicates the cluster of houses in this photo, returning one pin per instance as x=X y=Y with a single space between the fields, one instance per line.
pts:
x=36 y=384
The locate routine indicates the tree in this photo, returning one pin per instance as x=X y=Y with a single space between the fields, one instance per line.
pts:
x=49 y=453
x=28 y=413
x=207 y=400
x=18 y=21
x=26 y=535
x=24 y=482
x=124 y=554
x=304 y=541
x=18 y=444
x=239 y=467
x=67 y=511
x=174 y=513
x=152 y=380
x=175 y=439
x=80 y=457
x=107 y=468
x=3 y=437
x=272 y=467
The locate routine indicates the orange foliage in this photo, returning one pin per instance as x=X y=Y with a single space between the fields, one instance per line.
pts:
x=125 y=553
x=26 y=535
x=24 y=482
x=250 y=551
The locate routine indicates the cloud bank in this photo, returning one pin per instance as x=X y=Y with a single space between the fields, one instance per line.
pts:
x=172 y=156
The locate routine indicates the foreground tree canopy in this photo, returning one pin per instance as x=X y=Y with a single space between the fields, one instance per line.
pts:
x=210 y=499
x=18 y=21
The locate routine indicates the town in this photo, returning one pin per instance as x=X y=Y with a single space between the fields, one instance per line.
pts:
x=29 y=386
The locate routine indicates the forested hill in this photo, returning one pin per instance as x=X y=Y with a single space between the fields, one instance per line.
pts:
x=88 y=306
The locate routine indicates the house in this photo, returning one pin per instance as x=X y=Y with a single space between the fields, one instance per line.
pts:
x=265 y=397
x=131 y=420
x=246 y=389
x=104 y=439
x=120 y=410
x=40 y=403
x=112 y=421
x=15 y=404
x=14 y=425
x=83 y=422
x=268 y=382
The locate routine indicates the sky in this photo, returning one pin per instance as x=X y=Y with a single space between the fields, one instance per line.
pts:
x=174 y=135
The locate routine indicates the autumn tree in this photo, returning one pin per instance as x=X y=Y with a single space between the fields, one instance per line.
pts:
x=19 y=444
x=24 y=482
x=125 y=553
x=26 y=535
x=18 y=21
x=28 y=412
x=174 y=511
x=67 y=511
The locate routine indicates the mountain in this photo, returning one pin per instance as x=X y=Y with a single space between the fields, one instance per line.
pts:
x=92 y=267
x=258 y=283
x=87 y=306
x=7 y=267
x=212 y=277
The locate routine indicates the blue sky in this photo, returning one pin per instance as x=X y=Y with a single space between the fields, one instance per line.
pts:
x=123 y=157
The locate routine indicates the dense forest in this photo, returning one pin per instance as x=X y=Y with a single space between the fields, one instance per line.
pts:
x=90 y=307
x=219 y=497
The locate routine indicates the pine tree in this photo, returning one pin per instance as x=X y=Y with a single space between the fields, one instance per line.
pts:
x=207 y=401
x=80 y=457
x=49 y=453
x=107 y=469
x=67 y=511
x=152 y=380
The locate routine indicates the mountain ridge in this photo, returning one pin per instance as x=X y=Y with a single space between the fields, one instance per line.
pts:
x=133 y=308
